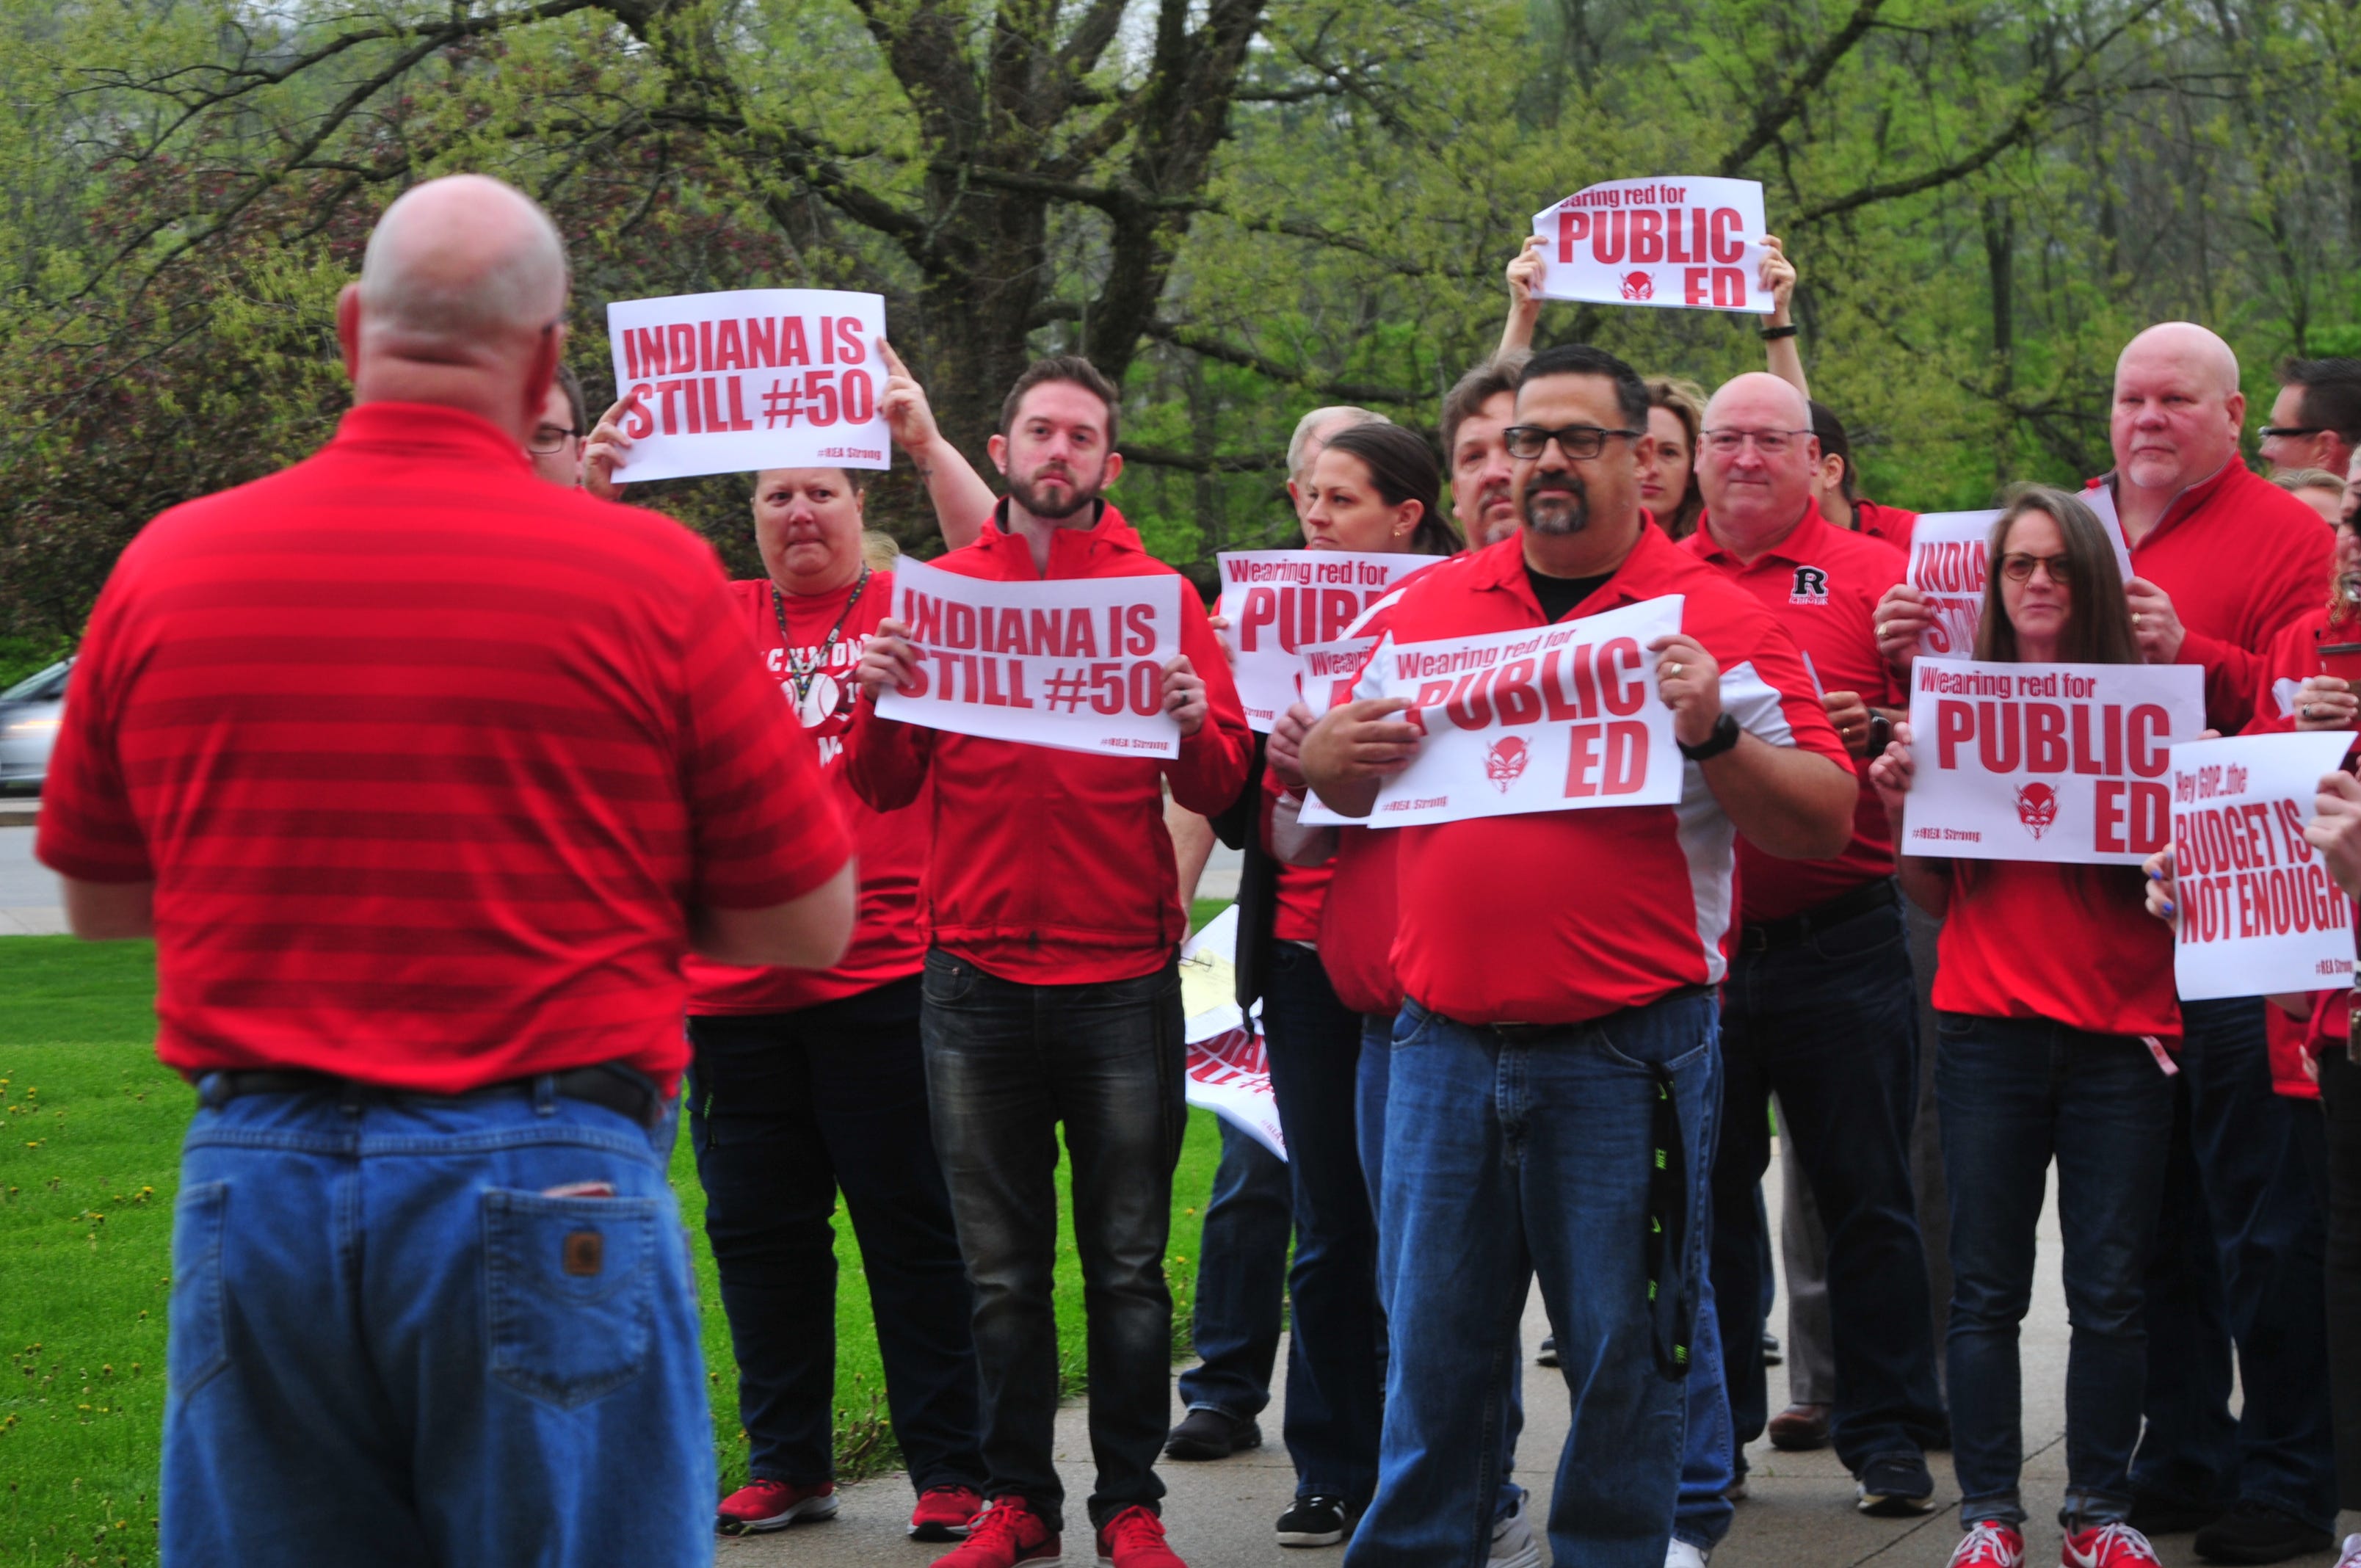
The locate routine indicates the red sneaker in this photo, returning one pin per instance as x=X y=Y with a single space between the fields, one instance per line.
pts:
x=1005 y=1534
x=2107 y=1546
x=762 y=1505
x=1134 y=1539
x=1989 y=1545
x=944 y=1513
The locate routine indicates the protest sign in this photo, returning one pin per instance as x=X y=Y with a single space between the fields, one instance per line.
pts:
x=1558 y=718
x=1330 y=669
x=2256 y=910
x=1076 y=664
x=750 y=378
x=1228 y=1070
x=1278 y=600
x=1678 y=241
x=1949 y=554
x=2057 y=763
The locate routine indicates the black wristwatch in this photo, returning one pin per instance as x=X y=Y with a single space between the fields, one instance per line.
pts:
x=1725 y=735
x=1881 y=731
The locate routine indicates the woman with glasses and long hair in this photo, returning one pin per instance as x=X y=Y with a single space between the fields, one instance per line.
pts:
x=2054 y=997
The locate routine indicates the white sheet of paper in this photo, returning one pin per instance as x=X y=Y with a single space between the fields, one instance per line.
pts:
x=1075 y=664
x=2060 y=763
x=1673 y=241
x=2256 y=911
x=749 y=378
x=1278 y=600
x=1229 y=1070
x=1949 y=551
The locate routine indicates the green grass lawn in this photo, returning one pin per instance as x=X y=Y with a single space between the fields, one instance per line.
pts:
x=90 y=1131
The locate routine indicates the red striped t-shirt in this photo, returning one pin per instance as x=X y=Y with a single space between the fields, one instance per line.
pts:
x=429 y=760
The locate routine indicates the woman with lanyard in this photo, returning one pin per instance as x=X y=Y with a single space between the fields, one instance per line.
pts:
x=804 y=1083
x=2054 y=1001
x=1374 y=488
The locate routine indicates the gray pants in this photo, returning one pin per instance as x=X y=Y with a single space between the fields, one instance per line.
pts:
x=1804 y=1244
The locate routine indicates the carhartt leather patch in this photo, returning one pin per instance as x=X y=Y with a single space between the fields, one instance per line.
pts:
x=586 y=1252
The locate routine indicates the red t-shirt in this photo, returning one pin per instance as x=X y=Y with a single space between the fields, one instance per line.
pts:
x=429 y=760
x=1822 y=584
x=1357 y=920
x=1301 y=891
x=1560 y=916
x=1890 y=524
x=2241 y=558
x=2072 y=944
x=891 y=846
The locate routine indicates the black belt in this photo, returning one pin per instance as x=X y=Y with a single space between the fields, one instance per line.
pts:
x=1526 y=1033
x=1762 y=935
x=618 y=1089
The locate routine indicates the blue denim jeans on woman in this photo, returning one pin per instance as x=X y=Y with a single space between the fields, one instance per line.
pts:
x=1507 y=1157
x=2017 y=1093
x=1241 y=1305
x=393 y=1344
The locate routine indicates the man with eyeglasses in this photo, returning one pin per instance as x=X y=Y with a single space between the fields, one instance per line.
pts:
x=1818 y=1007
x=2315 y=421
x=1554 y=1074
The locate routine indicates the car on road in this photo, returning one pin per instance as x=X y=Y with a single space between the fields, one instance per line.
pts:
x=29 y=713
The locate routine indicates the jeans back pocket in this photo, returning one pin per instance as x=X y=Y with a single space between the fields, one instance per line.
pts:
x=570 y=1291
x=196 y=1343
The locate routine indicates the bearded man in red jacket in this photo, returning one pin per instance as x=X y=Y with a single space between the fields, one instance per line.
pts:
x=1051 y=993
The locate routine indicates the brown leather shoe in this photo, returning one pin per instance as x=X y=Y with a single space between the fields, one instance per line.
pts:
x=1800 y=1427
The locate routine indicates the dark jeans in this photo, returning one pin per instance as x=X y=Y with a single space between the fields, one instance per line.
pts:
x=784 y=1109
x=1829 y=1025
x=2340 y=1095
x=1241 y=1281
x=1335 y=1353
x=2251 y=1191
x=2017 y=1093
x=1006 y=1064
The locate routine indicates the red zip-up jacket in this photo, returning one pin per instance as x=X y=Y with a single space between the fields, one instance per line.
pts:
x=2241 y=558
x=1048 y=867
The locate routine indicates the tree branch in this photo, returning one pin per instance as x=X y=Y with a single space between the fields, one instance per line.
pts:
x=1773 y=118
x=1200 y=342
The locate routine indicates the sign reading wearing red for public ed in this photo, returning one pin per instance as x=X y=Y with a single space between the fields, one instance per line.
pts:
x=2256 y=911
x=1561 y=717
x=2060 y=763
x=1075 y=664
x=749 y=380
x=1676 y=240
x=1279 y=600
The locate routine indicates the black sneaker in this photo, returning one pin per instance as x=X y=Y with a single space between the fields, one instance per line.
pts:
x=1547 y=1354
x=2162 y=1513
x=1771 y=1357
x=1895 y=1486
x=2256 y=1533
x=1314 y=1522
x=1211 y=1434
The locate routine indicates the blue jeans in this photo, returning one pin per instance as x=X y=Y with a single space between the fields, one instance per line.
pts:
x=390 y=1344
x=1006 y=1063
x=1371 y=1084
x=2015 y=1093
x=1511 y=1157
x=1336 y=1352
x=1702 y=1513
x=2270 y=1234
x=785 y=1108
x=1829 y=1024
x=1241 y=1281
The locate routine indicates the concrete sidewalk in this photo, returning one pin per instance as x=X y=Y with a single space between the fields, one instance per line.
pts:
x=1800 y=1513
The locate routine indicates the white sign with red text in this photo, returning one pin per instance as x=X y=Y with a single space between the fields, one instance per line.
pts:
x=1077 y=664
x=2059 y=763
x=1330 y=670
x=2256 y=910
x=1678 y=241
x=1949 y=551
x=1278 y=600
x=748 y=380
x=1228 y=1071
x=1560 y=718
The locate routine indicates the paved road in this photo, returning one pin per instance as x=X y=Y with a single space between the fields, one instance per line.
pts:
x=1800 y=1513
x=28 y=893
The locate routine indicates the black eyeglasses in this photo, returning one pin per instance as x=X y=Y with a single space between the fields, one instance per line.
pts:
x=549 y=438
x=1527 y=442
x=2289 y=432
